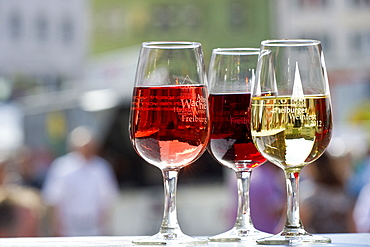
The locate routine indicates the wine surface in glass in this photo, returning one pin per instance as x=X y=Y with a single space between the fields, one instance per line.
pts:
x=169 y=126
x=291 y=132
x=230 y=140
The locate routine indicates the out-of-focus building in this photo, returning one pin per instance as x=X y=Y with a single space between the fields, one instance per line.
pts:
x=43 y=40
x=343 y=27
x=44 y=47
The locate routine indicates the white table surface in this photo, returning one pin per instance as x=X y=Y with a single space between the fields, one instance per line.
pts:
x=347 y=239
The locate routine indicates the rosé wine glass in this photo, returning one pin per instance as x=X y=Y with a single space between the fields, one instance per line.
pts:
x=231 y=73
x=169 y=121
x=291 y=120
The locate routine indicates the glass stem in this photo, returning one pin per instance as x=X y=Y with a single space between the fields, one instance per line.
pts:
x=243 y=219
x=293 y=222
x=169 y=223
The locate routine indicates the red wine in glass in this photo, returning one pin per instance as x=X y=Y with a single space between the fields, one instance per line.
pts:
x=231 y=74
x=230 y=140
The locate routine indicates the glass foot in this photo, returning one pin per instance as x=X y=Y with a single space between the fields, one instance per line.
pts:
x=287 y=238
x=235 y=235
x=170 y=239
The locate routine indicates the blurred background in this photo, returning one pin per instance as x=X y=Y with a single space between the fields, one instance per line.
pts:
x=69 y=63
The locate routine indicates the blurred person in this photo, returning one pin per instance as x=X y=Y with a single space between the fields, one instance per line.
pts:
x=21 y=207
x=268 y=198
x=361 y=213
x=21 y=212
x=326 y=206
x=80 y=187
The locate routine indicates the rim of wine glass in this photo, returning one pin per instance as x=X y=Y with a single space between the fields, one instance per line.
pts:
x=237 y=51
x=171 y=44
x=291 y=42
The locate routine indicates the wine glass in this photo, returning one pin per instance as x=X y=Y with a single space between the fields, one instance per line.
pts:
x=231 y=73
x=169 y=125
x=291 y=119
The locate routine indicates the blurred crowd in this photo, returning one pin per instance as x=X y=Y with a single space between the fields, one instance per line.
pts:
x=76 y=194
x=74 y=198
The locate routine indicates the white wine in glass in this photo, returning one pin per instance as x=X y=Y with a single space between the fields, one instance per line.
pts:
x=169 y=126
x=291 y=120
x=231 y=73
